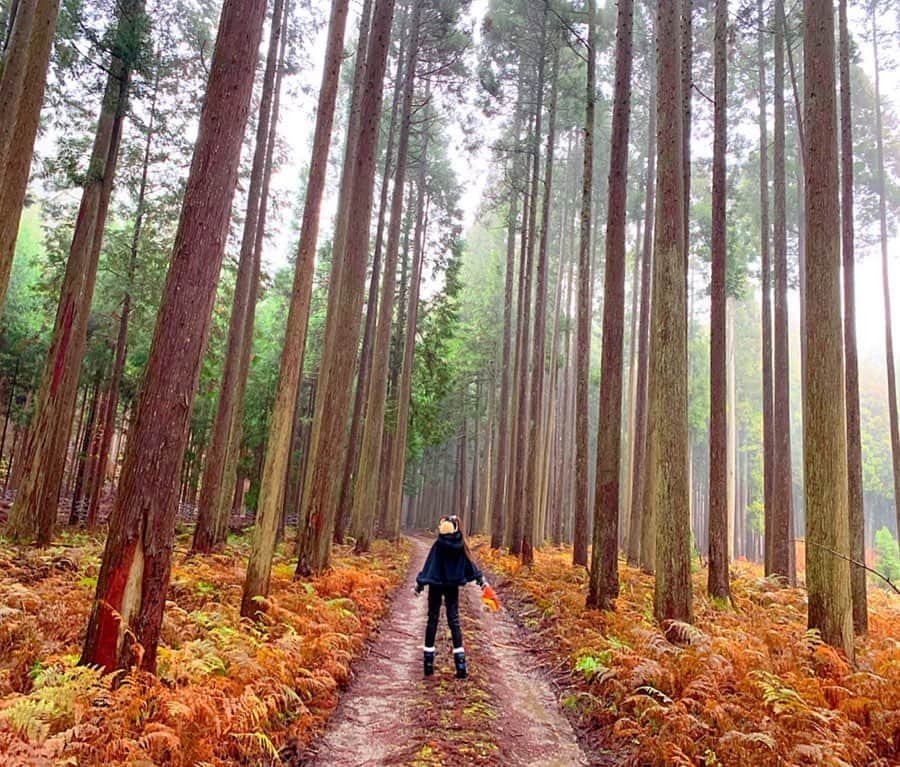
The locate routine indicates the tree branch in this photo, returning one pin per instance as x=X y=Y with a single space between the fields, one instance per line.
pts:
x=852 y=561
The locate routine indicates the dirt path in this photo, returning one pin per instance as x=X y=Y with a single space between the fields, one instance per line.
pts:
x=505 y=713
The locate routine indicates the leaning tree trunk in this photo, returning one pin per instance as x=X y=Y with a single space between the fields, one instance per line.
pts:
x=855 y=509
x=604 y=579
x=278 y=445
x=824 y=424
x=134 y=574
x=214 y=487
x=366 y=491
x=667 y=397
x=585 y=294
x=328 y=443
x=717 y=582
x=35 y=507
x=23 y=73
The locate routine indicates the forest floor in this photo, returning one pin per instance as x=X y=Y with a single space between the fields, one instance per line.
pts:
x=333 y=677
x=227 y=692
x=746 y=684
x=504 y=713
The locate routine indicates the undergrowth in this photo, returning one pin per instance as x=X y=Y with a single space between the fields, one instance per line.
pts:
x=747 y=685
x=227 y=692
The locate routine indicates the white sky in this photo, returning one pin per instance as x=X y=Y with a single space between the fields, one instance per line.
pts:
x=297 y=123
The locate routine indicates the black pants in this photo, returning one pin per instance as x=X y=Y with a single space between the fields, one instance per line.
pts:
x=450 y=595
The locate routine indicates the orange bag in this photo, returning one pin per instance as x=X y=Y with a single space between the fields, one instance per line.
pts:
x=489 y=599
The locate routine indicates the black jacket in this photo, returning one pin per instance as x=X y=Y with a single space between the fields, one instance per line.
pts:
x=448 y=564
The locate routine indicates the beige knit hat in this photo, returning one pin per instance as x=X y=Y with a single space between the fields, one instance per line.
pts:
x=448 y=525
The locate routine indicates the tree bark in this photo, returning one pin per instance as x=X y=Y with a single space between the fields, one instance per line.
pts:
x=499 y=503
x=366 y=492
x=585 y=296
x=112 y=400
x=128 y=608
x=779 y=536
x=855 y=509
x=83 y=450
x=351 y=465
x=215 y=488
x=535 y=421
x=404 y=385
x=328 y=444
x=642 y=536
x=824 y=423
x=278 y=444
x=235 y=428
x=766 y=267
x=603 y=587
x=520 y=499
x=667 y=427
x=883 y=236
x=34 y=510
x=717 y=583
x=23 y=74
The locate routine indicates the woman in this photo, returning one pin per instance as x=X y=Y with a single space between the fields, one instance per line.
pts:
x=449 y=565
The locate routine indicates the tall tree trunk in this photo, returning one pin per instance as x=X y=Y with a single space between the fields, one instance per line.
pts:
x=667 y=397
x=520 y=499
x=779 y=536
x=531 y=483
x=83 y=450
x=512 y=494
x=604 y=579
x=404 y=385
x=351 y=464
x=883 y=236
x=687 y=92
x=112 y=401
x=278 y=444
x=23 y=73
x=766 y=267
x=35 y=506
x=328 y=444
x=585 y=295
x=824 y=423
x=214 y=486
x=235 y=428
x=500 y=501
x=472 y=511
x=717 y=583
x=628 y=468
x=855 y=509
x=642 y=535
x=365 y=494
x=134 y=573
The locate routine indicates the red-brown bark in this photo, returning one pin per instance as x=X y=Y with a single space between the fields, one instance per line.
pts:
x=327 y=449
x=717 y=580
x=215 y=488
x=585 y=295
x=127 y=612
x=604 y=578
